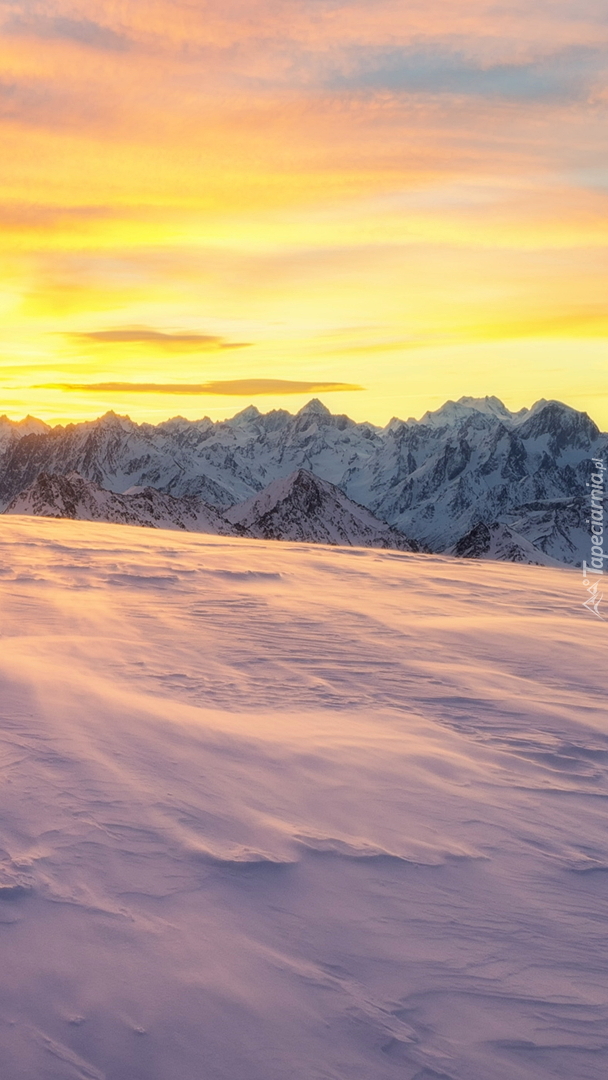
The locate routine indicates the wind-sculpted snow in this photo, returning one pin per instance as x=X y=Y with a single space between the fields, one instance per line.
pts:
x=277 y=811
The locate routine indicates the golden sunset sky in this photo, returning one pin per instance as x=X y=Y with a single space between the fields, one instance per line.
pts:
x=382 y=203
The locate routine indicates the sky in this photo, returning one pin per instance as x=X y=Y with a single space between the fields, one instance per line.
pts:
x=380 y=203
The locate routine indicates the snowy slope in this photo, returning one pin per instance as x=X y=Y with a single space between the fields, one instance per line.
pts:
x=279 y=811
x=303 y=507
x=434 y=479
x=74 y=497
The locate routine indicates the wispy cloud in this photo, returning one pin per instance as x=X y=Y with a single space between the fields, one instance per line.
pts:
x=81 y=31
x=229 y=387
x=565 y=73
x=181 y=342
x=18 y=214
x=428 y=174
x=34 y=102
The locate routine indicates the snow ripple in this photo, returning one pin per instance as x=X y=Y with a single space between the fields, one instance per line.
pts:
x=270 y=812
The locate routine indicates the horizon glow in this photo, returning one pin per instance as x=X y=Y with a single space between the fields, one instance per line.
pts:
x=408 y=198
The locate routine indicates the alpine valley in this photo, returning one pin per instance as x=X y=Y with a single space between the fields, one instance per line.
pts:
x=472 y=478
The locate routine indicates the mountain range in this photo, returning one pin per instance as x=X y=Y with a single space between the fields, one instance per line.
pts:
x=301 y=507
x=72 y=496
x=434 y=480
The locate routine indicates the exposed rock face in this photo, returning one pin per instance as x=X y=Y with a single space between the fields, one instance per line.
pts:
x=303 y=507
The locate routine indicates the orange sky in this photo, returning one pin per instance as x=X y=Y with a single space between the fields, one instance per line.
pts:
x=408 y=199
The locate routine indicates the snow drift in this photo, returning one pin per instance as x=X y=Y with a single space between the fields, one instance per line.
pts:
x=284 y=811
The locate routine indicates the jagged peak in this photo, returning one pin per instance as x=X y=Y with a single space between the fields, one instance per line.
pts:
x=28 y=425
x=547 y=416
x=297 y=479
x=453 y=411
x=277 y=491
x=449 y=412
x=488 y=404
x=251 y=412
x=29 y=419
x=314 y=407
x=283 y=485
x=554 y=405
x=113 y=419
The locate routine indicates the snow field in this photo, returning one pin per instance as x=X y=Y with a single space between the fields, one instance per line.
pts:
x=273 y=811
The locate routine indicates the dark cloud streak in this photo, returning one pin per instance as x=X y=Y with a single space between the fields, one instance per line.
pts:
x=229 y=387
x=167 y=342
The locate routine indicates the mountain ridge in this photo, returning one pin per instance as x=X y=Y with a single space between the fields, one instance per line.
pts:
x=302 y=507
x=433 y=479
x=72 y=496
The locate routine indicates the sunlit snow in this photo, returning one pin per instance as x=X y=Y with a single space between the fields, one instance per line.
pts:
x=276 y=811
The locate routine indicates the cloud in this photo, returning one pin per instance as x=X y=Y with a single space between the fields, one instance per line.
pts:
x=26 y=215
x=565 y=73
x=229 y=387
x=51 y=104
x=186 y=342
x=366 y=348
x=81 y=31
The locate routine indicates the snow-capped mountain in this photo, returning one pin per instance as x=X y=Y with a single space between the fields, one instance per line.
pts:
x=559 y=528
x=434 y=479
x=453 y=412
x=500 y=543
x=74 y=497
x=224 y=462
x=12 y=431
x=443 y=479
x=303 y=507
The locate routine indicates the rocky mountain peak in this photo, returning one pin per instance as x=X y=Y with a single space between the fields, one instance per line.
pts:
x=247 y=415
x=314 y=407
x=305 y=508
x=567 y=426
x=453 y=412
x=111 y=421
